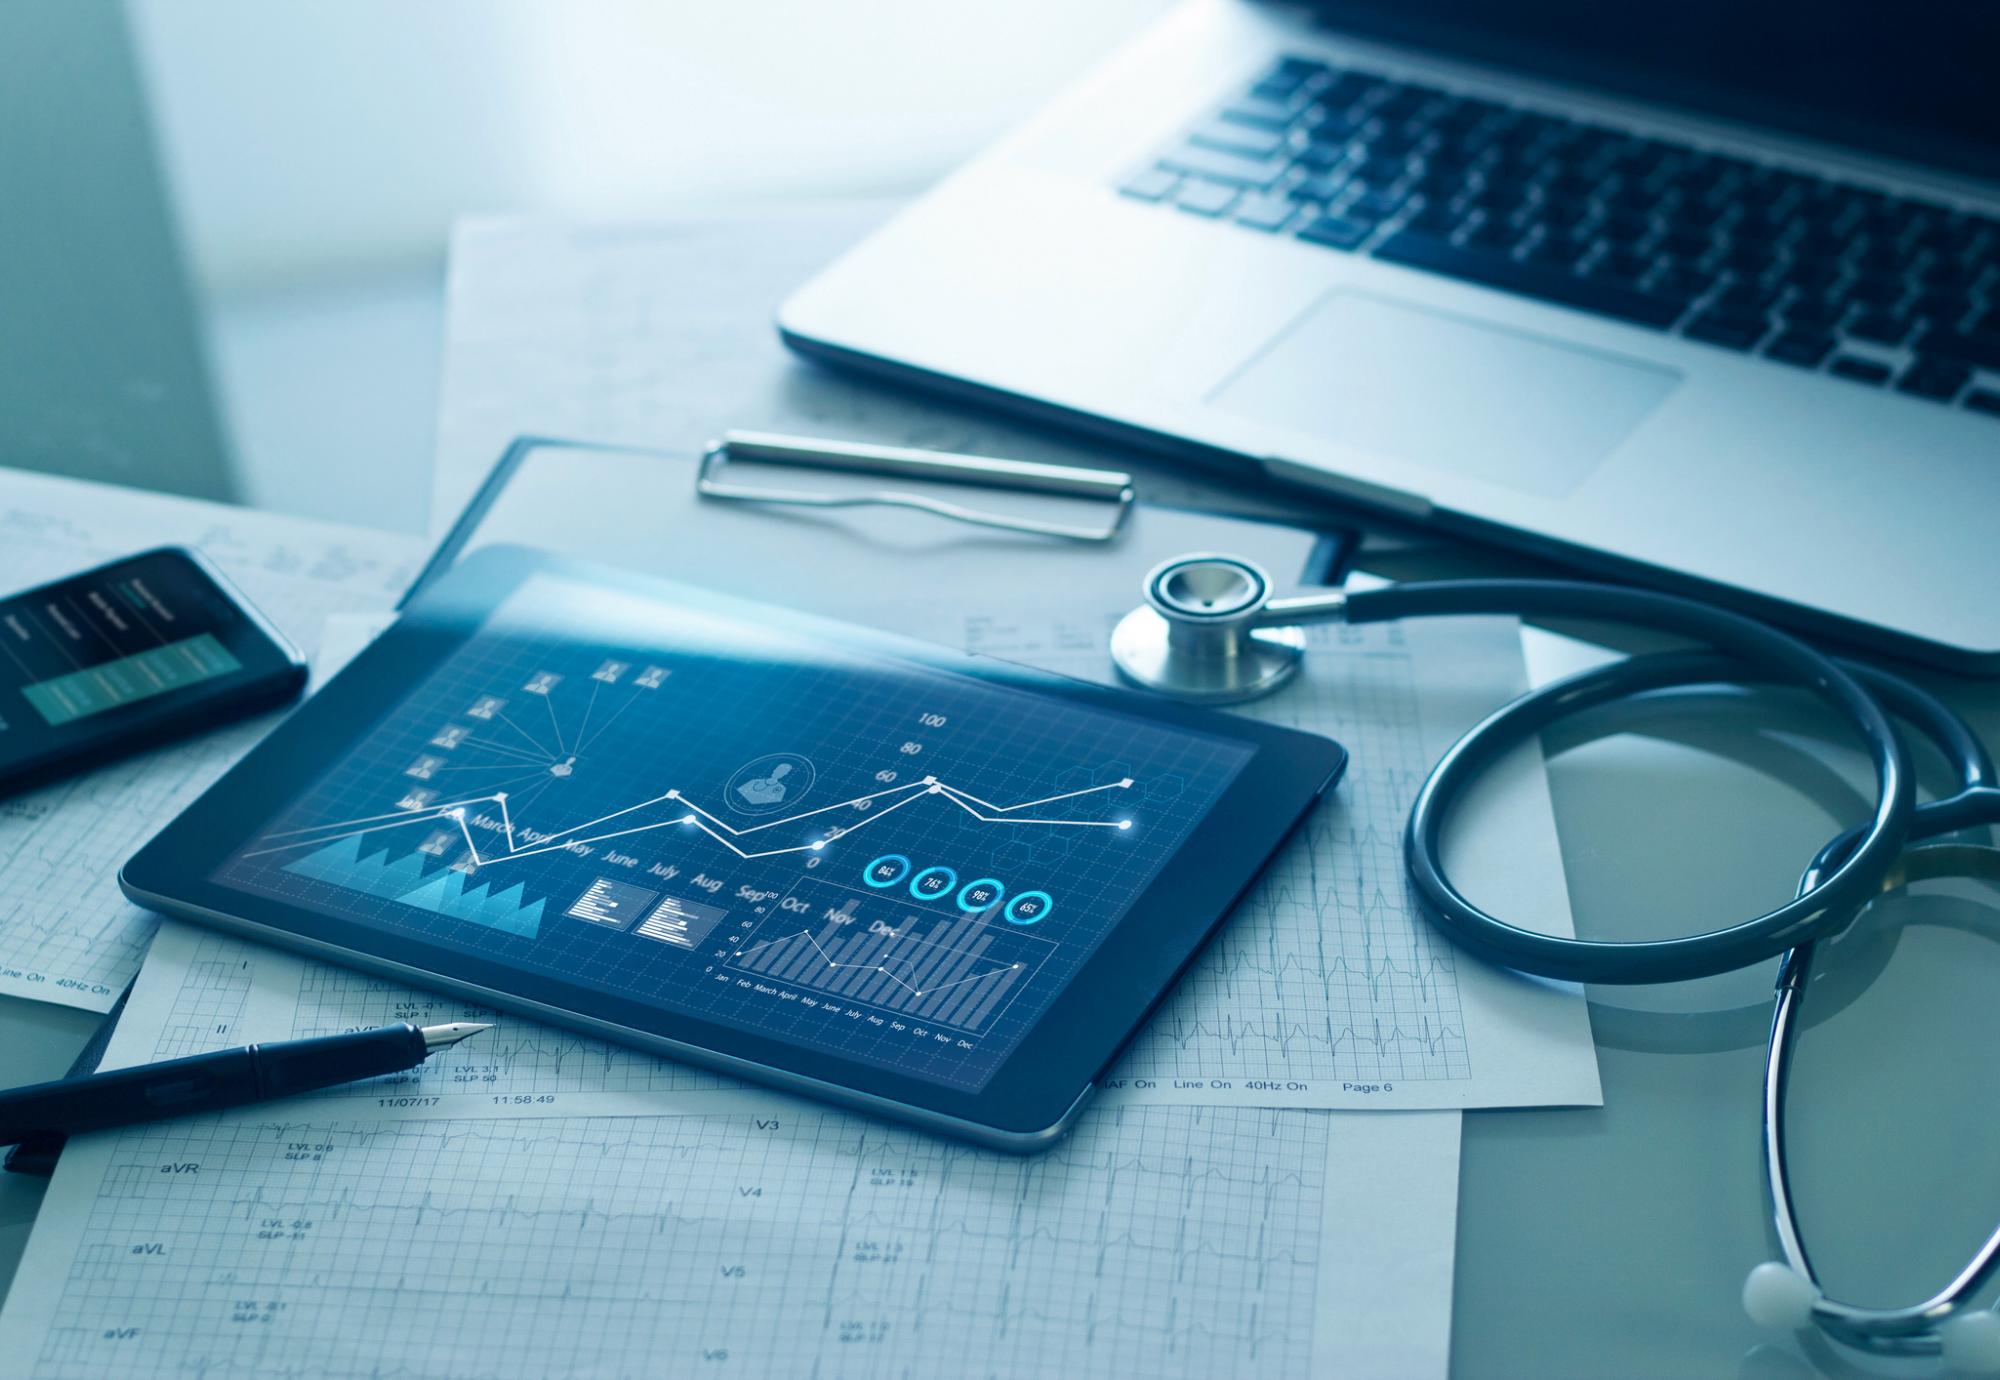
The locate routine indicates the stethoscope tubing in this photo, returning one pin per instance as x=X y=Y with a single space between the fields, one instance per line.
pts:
x=1763 y=651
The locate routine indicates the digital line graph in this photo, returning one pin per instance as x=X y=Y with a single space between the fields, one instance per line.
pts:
x=706 y=821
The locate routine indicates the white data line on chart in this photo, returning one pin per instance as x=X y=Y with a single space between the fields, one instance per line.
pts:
x=704 y=820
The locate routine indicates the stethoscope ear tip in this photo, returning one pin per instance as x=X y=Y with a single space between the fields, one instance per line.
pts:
x=1971 y=1342
x=1779 y=1298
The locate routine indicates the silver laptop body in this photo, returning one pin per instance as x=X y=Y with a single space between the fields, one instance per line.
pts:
x=1053 y=274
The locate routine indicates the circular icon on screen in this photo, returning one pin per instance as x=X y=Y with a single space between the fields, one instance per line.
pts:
x=983 y=894
x=1029 y=908
x=932 y=883
x=886 y=870
x=769 y=784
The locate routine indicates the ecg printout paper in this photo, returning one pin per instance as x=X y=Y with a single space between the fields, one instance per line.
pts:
x=778 y=1240
x=1327 y=988
x=67 y=934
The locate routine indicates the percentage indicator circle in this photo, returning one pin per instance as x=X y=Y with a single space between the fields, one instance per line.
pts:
x=932 y=883
x=886 y=870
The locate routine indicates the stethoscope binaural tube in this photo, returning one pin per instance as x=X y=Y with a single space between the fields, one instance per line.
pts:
x=1785 y=1294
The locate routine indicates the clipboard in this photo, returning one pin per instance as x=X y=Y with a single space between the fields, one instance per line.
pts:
x=639 y=509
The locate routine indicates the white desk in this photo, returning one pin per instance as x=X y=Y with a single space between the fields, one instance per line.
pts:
x=1599 y=1241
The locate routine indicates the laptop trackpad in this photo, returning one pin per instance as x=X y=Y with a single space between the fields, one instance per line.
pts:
x=1445 y=391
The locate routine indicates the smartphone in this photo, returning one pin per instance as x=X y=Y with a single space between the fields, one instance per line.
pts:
x=128 y=656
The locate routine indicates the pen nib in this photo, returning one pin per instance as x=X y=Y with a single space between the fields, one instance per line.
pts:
x=443 y=1036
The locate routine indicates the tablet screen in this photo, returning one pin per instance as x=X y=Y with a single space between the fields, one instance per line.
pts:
x=753 y=825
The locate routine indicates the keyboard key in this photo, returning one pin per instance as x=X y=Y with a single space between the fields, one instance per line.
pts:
x=1218 y=166
x=1748 y=299
x=1414 y=249
x=1151 y=184
x=1859 y=369
x=1495 y=234
x=1322 y=189
x=1553 y=252
x=1259 y=114
x=1263 y=211
x=1945 y=308
x=1685 y=284
x=1800 y=348
x=1231 y=137
x=1937 y=379
x=1984 y=400
x=1439 y=220
x=1289 y=75
x=1884 y=328
x=1319 y=158
x=1341 y=232
x=1731 y=332
x=1875 y=292
x=1206 y=198
x=1621 y=266
x=1980 y=347
x=1379 y=204
x=1813 y=313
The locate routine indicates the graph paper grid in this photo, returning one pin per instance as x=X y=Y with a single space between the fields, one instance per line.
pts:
x=1157 y=1241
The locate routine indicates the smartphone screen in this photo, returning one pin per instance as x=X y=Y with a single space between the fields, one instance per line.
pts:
x=136 y=650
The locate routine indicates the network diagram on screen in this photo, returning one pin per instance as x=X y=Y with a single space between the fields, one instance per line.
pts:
x=861 y=854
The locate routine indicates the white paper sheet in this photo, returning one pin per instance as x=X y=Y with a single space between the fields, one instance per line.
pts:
x=66 y=933
x=771 y=1240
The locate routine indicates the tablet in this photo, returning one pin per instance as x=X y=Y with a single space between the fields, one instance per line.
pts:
x=938 y=887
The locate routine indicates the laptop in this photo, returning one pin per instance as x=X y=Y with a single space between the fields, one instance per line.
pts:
x=1704 y=294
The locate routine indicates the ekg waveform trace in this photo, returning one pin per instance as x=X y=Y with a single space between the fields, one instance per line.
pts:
x=1157 y=1241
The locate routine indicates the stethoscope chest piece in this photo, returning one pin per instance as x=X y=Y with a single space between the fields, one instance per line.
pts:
x=1197 y=636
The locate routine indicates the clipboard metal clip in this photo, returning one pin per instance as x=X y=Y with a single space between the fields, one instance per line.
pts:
x=1072 y=481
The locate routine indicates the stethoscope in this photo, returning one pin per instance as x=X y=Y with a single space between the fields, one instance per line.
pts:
x=1211 y=631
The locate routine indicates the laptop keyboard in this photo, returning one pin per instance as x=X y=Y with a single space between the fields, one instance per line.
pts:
x=1869 y=287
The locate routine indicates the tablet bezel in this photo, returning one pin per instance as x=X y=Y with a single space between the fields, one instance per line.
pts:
x=1036 y=1090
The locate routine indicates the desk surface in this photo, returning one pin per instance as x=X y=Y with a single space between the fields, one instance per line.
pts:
x=1614 y=1240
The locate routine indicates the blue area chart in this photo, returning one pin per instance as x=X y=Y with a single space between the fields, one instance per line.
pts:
x=403 y=880
x=897 y=863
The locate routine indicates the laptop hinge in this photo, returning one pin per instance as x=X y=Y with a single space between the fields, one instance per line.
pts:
x=1401 y=502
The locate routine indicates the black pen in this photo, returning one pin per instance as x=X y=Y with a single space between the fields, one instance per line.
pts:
x=226 y=1078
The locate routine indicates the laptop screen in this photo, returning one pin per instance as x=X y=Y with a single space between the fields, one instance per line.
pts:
x=1913 y=80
